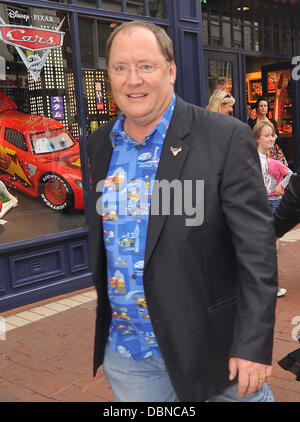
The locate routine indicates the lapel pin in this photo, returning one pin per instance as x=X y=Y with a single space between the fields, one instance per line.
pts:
x=175 y=151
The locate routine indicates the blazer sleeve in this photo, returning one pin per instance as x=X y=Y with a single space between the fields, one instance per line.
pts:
x=287 y=214
x=249 y=219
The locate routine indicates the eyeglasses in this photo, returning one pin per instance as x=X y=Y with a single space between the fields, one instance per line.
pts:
x=227 y=96
x=123 y=69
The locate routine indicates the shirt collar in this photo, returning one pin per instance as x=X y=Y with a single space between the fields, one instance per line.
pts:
x=118 y=134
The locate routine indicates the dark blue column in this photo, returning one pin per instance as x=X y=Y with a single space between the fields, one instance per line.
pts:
x=186 y=31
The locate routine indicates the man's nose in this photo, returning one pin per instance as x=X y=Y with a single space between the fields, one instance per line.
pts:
x=133 y=76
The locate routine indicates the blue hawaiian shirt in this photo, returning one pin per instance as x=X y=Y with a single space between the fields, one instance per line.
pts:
x=125 y=213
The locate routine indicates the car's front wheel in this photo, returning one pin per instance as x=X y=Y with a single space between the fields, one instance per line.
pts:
x=56 y=192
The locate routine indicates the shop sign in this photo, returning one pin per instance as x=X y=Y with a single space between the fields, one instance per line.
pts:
x=18 y=14
x=57 y=108
x=33 y=39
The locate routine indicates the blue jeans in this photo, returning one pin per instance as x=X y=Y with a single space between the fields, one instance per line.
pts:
x=274 y=204
x=147 y=380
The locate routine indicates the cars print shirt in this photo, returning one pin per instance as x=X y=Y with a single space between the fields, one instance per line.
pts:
x=125 y=213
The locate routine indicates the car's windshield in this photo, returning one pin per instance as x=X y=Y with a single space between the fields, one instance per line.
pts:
x=50 y=142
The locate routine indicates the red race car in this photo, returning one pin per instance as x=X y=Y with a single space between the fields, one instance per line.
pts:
x=40 y=157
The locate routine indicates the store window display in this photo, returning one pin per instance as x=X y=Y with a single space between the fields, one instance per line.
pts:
x=39 y=148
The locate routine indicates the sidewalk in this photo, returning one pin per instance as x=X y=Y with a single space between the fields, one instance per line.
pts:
x=48 y=351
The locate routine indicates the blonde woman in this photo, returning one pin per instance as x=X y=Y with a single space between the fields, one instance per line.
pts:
x=221 y=102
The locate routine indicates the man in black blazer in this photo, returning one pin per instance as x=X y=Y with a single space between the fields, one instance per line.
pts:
x=209 y=263
x=287 y=214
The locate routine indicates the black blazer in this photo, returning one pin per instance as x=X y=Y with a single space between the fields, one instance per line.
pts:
x=210 y=289
x=287 y=214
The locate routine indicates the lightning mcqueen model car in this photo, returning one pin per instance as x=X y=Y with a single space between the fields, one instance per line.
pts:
x=39 y=156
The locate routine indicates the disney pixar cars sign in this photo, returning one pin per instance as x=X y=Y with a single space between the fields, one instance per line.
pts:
x=38 y=41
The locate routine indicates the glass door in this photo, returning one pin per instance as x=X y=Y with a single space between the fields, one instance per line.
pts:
x=223 y=73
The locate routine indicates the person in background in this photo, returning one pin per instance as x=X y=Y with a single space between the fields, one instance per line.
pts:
x=249 y=112
x=221 y=101
x=171 y=324
x=262 y=109
x=276 y=175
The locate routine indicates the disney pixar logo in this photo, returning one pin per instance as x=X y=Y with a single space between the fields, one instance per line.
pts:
x=38 y=40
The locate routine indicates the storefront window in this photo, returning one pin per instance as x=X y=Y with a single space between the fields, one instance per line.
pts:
x=93 y=34
x=136 y=7
x=40 y=167
x=247 y=37
x=204 y=25
x=87 y=3
x=113 y=5
x=226 y=32
x=215 y=30
x=219 y=75
x=237 y=34
x=251 y=25
x=157 y=8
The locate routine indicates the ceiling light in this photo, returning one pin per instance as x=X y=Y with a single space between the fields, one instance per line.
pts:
x=243 y=9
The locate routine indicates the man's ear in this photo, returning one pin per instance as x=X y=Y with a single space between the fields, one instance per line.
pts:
x=173 y=72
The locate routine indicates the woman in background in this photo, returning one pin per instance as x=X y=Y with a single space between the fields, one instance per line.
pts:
x=221 y=101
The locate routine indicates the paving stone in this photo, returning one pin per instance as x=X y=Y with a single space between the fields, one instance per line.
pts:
x=31 y=316
x=42 y=310
x=16 y=321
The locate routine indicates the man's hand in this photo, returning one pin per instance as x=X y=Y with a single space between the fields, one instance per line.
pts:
x=251 y=375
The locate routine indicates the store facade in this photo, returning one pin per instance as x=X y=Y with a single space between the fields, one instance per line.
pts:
x=54 y=92
x=249 y=48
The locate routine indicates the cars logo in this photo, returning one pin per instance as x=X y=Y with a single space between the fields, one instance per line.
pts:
x=33 y=39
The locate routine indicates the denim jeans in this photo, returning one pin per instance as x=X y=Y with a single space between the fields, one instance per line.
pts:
x=147 y=380
x=274 y=204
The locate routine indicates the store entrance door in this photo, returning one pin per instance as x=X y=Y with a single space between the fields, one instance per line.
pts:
x=223 y=70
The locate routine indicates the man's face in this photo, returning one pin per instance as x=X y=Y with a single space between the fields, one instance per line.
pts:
x=143 y=97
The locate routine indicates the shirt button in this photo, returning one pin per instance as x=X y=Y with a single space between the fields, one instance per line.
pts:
x=138 y=147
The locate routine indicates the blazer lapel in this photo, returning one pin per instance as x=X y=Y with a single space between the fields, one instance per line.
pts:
x=102 y=155
x=172 y=159
x=100 y=163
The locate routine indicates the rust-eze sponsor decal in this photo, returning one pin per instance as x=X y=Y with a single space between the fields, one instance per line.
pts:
x=37 y=40
x=10 y=163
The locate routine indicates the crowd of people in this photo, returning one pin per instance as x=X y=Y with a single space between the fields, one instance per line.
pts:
x=274 y=166
x=186 y=310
